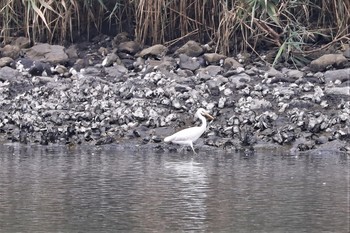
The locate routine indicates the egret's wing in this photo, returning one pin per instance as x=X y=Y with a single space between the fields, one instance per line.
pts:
x=189 y=134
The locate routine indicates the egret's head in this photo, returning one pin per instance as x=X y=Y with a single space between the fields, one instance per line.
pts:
x=204 y=113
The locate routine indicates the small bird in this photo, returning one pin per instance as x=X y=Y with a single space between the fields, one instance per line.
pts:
x=186 y=137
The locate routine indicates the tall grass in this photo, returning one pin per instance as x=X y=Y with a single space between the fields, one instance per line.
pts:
x=232 y=25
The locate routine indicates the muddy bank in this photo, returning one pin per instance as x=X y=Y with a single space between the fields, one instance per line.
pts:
x=108 y=92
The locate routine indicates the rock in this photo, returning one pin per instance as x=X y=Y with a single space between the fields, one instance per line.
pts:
x=338 y=91
x=211 y=70
x=231 y=63
x=72 y=52
x=22 y=42
x=123 y=56
x=157 y=51
x=213 y=88
x=119 y=38
x=220 y=80
x=296 y=74
x=213 y=58
x=229 y=73
x=47 y=53
x=130 y=47
x=11 y=51
x=259 y=104
x=5 y=61
x=34 y=68
x=60 y=69
x=244 y=78
x=128 y=63
x=116 y=71
x=139 y=114
x=221 y=103
x=110 y=59
x=80 y=64
x=42 y=80
x=176 y=104
x=282 y=79
x=39 y=68
x=241 y=70
x=272 y=72
x=182 y=88
x=139 y=64
x=346 y=52
x=104 y=141
x=9 y=74
x=332 y=75
x=191 y=49
x=91 y=71
x=184 y=73
x=252 y=71
x=243 y=57
x=188 y=63
x=102 y=51
x=165 y=64
x=323 y=62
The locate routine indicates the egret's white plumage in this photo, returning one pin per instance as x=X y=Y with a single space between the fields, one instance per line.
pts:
x=186 y=137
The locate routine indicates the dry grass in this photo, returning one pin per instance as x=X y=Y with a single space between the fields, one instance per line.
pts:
x=232 y=25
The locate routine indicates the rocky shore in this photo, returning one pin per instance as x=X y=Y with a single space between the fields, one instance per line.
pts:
x=113 y=91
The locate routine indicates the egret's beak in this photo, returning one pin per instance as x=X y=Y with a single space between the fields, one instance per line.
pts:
x=208 y=116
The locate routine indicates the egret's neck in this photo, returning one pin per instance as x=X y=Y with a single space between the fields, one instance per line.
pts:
x=204 y=121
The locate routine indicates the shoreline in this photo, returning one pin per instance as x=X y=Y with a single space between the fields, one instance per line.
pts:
x=148 y=94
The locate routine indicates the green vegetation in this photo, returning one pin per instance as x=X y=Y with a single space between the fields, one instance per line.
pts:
x=291 y=26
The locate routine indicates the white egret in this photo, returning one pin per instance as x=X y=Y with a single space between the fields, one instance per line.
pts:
x=186 y=137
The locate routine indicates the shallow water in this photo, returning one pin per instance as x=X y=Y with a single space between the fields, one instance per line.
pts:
x=111 y=189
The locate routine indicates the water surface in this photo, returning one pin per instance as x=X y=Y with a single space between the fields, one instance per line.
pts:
x=115 y=189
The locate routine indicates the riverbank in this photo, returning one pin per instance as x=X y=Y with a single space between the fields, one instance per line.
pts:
x=112 y=91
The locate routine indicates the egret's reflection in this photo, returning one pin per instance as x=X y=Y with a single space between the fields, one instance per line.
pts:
x=192 y=188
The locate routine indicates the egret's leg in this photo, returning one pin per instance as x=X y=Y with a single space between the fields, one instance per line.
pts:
x=181 y=149
x=193 y=148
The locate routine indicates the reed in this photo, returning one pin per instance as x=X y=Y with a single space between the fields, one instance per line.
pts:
x=232 y=25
